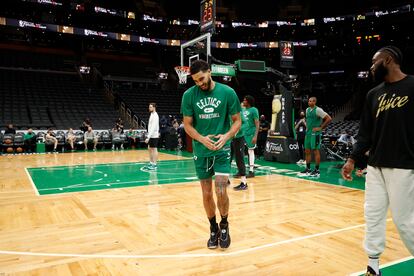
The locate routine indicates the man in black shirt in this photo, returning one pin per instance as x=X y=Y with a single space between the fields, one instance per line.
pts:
x=10 y=130
x=386 y=130
x=264 y=126
x=85 y=125
x=300 y=128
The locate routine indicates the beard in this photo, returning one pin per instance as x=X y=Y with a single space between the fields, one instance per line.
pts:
x=380 y=72
x=208 y=85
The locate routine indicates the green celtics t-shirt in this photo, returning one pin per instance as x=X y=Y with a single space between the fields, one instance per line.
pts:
x=211 y=112
x=314 y=117
x=250 y=115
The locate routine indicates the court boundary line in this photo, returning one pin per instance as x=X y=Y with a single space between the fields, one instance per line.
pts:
x=31 y=182
x=81 y=185
x=402 y=260
x=103 y=164
x=178 y=256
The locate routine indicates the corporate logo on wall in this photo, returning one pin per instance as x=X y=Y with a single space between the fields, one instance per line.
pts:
x=24 y=24
x=95 y=33
x=293 y=146
x=278 y=148
x=274 y=148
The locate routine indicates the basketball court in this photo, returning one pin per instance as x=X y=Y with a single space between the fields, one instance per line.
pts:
x=104 y=213
x=101 y=212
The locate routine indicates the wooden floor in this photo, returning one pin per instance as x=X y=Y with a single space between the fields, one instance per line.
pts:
x=280 y=226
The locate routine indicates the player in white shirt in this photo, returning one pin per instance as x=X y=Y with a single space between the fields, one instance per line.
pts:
x=153 y=136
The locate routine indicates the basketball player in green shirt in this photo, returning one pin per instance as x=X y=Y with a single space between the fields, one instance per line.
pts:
x=250 y=129
x=316 y=120
x=211 y=113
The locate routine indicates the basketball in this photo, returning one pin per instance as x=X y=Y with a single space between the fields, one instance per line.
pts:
x=19 y=150
x=8 y=141
x=9 y=150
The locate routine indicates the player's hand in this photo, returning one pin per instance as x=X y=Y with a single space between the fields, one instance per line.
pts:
x=347 y=169
x=146 y=141
x=254 y=140
x=222 y=139
x=316 y=129
x=207 y=142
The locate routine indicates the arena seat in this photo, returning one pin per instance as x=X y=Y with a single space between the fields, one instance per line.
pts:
x=7 y=143
x=18 y=141
x=52 y=99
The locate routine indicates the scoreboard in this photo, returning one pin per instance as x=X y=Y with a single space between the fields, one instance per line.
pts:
x=207 y=16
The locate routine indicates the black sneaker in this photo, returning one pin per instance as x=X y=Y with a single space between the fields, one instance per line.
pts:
x=306 y=172
x=250 y=174
x=224 y=240
x=315 y=173
x=371 y=272
x=212 y=242
x=241 y=186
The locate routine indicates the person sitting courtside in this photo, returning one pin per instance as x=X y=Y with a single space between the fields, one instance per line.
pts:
x=90 y=137
x=50 y=138
x=30 y=141
x=10 y=129
x=71 y=138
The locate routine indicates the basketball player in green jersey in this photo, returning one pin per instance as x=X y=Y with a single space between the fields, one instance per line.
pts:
x=250 y=129
x=211 y=113
x=316 y=120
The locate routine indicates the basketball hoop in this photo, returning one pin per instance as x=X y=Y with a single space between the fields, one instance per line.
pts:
x=182 y=72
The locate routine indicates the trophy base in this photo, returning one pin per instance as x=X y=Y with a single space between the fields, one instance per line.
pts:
x=281 y=149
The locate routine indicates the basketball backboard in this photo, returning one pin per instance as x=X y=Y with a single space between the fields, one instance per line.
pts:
x=198 y=48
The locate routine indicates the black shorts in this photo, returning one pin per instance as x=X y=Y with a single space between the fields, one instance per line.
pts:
x=153 y=143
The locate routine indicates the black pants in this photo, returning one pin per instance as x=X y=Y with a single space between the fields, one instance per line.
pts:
x=132 y=142
x=30 y=144
x=301 y=143
x=261 y=143
x=237 y=148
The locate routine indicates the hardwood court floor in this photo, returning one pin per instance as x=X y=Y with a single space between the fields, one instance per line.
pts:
x=280 y=226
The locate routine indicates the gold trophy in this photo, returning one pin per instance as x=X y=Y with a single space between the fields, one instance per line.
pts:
x=276 y=107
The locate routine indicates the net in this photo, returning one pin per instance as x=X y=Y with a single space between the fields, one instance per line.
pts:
x=182 y=72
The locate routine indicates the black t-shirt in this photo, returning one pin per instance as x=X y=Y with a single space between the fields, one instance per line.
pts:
x=263 y=125
x=10 y=131
x=301 y=130
x=387 y=126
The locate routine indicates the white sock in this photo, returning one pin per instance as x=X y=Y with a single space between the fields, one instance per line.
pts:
x=243 y=179
x=374 y=264
x=251 y=159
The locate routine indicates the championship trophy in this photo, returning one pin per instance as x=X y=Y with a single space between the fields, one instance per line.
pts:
x=276 y=107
